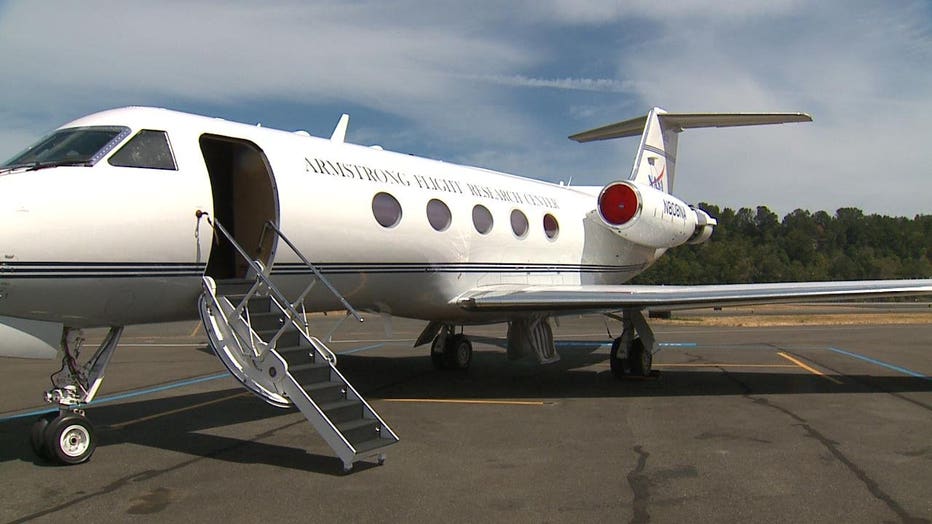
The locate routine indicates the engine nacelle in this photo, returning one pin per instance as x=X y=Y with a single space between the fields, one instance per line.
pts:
x=649 y=217
x=704 y=226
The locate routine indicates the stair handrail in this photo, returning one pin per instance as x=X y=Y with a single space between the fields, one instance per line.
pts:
x=270 y=225
x=329 y=355
x=260 y=274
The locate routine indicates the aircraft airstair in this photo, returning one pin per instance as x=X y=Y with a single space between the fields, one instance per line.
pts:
x=264 y=341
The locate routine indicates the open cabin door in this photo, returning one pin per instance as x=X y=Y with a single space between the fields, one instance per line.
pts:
x=244 y=198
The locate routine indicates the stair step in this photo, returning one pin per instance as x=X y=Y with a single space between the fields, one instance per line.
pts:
x=359 y=430
x=257 y=303
x=296 y=356
x=261 y=321
x=371 y=445
x=323 y=392
x=237 y=286
x=340 y=411
x=313 y=374
x=290 y=337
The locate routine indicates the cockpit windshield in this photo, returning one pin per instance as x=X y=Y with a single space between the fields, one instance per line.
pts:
x=76 y=146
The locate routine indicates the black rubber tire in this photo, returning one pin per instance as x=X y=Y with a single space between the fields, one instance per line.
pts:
x=70 y=439
x=438 y=352
x=458 y=352
x=617 y=365
x=37 y=435
x=639 y=358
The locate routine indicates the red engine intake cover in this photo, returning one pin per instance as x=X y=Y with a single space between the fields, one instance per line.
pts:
x=619 y=203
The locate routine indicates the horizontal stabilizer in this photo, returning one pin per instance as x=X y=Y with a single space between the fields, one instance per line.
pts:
x=680 y=121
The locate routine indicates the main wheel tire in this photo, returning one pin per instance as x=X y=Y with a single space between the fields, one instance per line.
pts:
x=617 y=364
x=639 y=358
x=70 y=439
x=438 y=351
x=37 y=435
x=458 y=352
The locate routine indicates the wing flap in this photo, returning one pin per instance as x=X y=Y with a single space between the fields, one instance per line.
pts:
x=608 y=298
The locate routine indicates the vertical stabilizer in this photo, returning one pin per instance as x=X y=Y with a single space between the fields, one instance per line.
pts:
x=655 y=163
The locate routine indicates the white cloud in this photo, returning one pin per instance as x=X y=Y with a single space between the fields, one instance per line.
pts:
x=867 y=88
x=604 y=85
x=607 y=11
x=115 y=55
x=501 y=85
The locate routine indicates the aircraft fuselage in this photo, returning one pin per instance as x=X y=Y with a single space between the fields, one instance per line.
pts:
x=141 y=250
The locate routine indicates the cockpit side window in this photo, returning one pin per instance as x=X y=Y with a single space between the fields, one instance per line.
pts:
x=149 y=149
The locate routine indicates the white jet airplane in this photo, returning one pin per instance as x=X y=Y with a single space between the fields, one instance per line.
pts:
x=141 y=215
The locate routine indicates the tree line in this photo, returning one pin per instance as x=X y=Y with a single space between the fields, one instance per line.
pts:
x=756 y=246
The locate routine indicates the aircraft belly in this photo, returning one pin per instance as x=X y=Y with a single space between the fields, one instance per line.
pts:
x=101 y=301
x=29 y=338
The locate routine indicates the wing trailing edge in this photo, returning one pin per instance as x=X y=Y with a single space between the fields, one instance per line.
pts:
x=569 y=299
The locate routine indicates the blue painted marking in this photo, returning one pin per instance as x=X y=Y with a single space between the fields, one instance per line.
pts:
x=598 y=343
x=121 y=396
x=361 y=348
x=583 y=343
x=881 y=363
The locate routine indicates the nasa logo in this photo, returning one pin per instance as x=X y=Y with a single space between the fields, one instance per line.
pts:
x=657 y=182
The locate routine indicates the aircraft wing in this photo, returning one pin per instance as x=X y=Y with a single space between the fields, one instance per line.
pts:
x=617 y=297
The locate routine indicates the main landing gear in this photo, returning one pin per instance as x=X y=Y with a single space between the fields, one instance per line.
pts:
x=68 y=437
x=632 y=352
x=450 y=351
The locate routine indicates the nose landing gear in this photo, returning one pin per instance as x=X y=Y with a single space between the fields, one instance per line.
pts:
x=68 y=437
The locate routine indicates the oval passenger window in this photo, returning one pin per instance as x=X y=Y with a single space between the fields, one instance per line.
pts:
x=386 y=209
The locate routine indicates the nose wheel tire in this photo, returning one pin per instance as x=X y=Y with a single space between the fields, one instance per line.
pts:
x=68 y=438
x=37 y=435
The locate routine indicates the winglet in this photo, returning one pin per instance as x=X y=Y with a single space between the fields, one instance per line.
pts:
x=339 y=132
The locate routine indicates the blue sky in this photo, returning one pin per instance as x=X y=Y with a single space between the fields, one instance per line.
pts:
x=501 y=85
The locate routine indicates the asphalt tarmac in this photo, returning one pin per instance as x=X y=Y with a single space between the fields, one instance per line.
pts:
x=780 y=424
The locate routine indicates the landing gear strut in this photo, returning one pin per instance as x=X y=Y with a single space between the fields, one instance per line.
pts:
x=632 y=352
x=450 y=351
x=68 y=437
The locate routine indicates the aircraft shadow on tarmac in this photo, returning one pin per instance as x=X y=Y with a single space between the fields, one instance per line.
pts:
x=193 y=431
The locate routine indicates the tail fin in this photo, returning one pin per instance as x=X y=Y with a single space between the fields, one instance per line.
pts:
x=655 y=163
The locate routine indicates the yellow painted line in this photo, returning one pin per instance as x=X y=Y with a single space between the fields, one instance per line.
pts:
x=723 y=366
x=810 y=369
x=121 y=425
x=197 y=329
x=466 y=401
